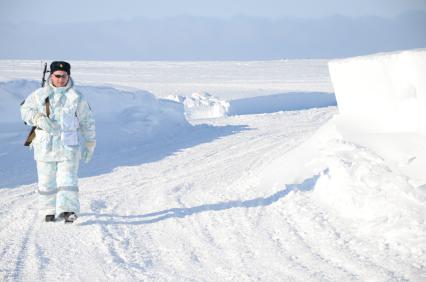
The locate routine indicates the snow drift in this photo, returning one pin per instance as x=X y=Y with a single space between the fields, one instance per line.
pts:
x=368 y=161
x=359 y=190
x=125 y=120
x=137 y=109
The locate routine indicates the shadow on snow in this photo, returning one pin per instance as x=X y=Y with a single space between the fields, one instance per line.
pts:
x=149 y=218
x=292 y=101
x=134 y=152
x=17 y=165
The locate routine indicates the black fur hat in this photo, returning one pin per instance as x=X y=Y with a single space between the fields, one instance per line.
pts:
x=60 y=65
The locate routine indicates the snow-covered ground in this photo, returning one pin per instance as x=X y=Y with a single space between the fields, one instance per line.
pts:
x=228 y=80
x=263 y=178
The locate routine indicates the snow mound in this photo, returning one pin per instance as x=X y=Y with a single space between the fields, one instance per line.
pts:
x=135 y=111
x=358 y=187
x=127 y=123
x=376 y=201
x=368 y=161
x=382 y=92
x=204 y=105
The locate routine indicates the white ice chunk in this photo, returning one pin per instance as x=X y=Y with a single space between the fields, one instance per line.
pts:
x=204 y=105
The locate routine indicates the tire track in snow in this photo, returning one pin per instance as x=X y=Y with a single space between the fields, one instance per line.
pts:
x=296 y=258
x=17 y=217
x=42 y=261
x=334 y=248
x=308 y=253
x=21 y=261
x=116 y=241
x=10 y=199
x=278 y=262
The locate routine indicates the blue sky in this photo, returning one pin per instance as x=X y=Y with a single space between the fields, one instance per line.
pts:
x=208 y=30
x=47 y=11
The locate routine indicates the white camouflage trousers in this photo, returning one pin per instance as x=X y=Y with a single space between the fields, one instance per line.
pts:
x=58 y=187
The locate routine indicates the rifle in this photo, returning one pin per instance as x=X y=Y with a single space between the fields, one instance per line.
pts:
x=31 y=135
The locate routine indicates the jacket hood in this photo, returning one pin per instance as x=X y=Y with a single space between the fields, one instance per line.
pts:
x=49 y=89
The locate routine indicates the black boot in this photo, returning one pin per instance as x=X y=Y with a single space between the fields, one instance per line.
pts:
x=69 y=217
x=50 y=218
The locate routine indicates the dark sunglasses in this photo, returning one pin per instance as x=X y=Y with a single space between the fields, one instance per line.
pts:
x=60 y=76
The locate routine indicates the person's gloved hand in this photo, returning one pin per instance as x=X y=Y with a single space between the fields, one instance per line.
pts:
x=42 y=121
x=89 y=148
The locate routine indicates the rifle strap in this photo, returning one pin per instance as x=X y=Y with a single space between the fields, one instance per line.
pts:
x=47 y=104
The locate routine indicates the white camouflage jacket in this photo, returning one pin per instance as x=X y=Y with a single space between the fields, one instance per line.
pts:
x=72 y=118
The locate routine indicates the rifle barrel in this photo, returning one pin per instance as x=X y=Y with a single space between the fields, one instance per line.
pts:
x=43 y=79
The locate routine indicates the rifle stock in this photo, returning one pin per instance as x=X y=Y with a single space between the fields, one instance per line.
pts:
x=30 y=136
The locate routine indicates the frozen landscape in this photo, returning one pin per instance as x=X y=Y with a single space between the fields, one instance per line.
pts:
x=220 y=171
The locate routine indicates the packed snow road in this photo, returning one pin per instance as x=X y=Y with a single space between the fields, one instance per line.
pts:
x=195 y=214
x=198 y=214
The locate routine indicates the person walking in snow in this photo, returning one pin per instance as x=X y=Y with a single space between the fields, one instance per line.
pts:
x=61 y=116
